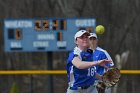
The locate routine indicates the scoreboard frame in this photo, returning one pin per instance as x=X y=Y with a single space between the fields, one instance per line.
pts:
x=43 y=34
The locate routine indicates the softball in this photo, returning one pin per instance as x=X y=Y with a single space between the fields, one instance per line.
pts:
x=100 y=29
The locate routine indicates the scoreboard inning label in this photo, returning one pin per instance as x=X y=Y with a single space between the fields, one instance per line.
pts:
x=34 y=35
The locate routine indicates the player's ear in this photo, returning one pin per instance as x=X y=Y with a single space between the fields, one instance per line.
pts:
x=75 y=41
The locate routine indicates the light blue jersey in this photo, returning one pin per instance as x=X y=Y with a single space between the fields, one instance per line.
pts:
x=100 y=54
x=107 y=55
x=80 y=77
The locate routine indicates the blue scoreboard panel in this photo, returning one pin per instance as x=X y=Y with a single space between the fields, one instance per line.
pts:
x=34 y=35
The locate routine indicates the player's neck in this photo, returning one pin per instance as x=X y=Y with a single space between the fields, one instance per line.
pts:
x=93 y=47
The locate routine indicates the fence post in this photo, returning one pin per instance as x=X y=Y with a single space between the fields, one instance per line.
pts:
x=50 y=67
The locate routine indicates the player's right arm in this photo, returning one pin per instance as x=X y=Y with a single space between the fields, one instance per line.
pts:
x=83 y=64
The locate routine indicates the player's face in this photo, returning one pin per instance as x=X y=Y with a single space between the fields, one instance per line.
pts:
x=93 y=42
x=83 y=41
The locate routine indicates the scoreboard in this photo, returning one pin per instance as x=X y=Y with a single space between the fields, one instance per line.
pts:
x=44 y=34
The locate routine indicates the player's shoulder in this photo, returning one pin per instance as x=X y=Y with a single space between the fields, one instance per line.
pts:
x=70 y=55
x=101 y=49
x=99 y=52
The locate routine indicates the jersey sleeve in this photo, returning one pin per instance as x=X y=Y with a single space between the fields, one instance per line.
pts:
x=70 y=57
x=103 y=56
x=109 y=58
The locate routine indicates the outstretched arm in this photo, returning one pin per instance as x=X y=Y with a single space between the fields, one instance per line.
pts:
x=83 y=64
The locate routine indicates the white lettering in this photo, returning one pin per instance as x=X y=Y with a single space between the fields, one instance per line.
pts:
x=61 y=43
x=16 y=24
x=45 y=37
x=85 y=22
x=15 y=45
x=40 y=44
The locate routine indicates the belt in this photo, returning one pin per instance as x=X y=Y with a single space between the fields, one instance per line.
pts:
x=78 y=88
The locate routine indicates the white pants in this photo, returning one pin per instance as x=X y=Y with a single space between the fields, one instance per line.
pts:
x=91 y=89
x=107 y=90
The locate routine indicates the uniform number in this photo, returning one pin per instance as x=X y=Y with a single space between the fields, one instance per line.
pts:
x=91 y=71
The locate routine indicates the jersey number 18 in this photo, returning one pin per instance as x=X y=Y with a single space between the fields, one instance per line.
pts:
x=91 y=71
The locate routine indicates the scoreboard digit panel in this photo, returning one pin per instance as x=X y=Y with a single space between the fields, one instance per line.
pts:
x=35 y=35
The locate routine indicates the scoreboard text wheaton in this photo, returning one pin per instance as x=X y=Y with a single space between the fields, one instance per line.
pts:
x=33 y=35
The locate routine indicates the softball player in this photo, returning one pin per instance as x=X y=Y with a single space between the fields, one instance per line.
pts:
x=99 y=54
x=80 y=66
